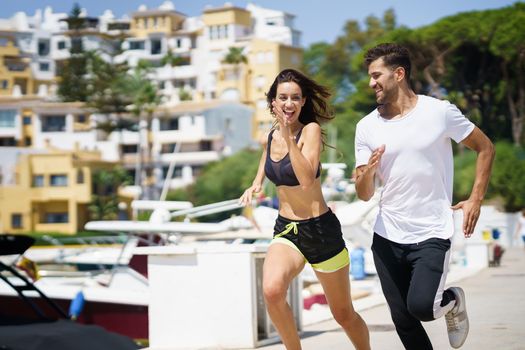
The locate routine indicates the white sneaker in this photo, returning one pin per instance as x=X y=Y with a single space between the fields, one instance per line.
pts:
x=457 y=319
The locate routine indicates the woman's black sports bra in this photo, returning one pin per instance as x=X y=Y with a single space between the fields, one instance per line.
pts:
x=281 y=172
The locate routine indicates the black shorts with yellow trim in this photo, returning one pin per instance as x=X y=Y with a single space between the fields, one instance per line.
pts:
x=319 y=240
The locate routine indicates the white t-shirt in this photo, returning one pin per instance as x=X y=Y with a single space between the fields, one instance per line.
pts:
x=416 y=169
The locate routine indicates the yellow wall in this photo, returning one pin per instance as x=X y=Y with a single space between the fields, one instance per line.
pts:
x=143 y=25
x=33 y=203
x=23 y=77
x=226 y=80
x=14 y=201
x=227 y=15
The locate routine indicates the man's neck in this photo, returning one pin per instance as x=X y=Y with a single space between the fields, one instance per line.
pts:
x=405 y=102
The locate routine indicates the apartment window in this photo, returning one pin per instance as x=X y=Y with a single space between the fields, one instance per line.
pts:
x=205 y=145
x=7 y=118
x=167 y=148
x=196 y=170
x=80 y=176
x=53 y=123
x=38 y=181
x=28 y=141
x=76 y=45
x=16 y=220
x=223 y=31
x=58 y=180
x=275 y=21
x=294 y=59
x=4 y=84
x=178 y=43
x=7 y=141
x=177 y=171
x=44 y=66
x=269 y=56
x=43 y=47
x=126 y=149
x=169 y=124
x=212 y=32
x=26 y=120
x=260 y=82
x=218 y=32
x=261 y=104
x=156 y=47
x=118 y=26
x=136 y=45
x=61 y=45
x=260 y=57
x=57 y=218
x=81 y=118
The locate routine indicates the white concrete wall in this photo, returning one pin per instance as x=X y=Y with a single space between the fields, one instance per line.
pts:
x=203 y=297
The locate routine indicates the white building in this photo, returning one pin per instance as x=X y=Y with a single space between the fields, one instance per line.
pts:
x=211 y=107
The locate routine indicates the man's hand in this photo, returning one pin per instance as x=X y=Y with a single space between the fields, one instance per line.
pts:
x=373 y=162
x=364 y=182
x=471 y=209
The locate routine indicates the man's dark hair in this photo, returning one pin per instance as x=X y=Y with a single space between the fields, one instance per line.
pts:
x=393 y=55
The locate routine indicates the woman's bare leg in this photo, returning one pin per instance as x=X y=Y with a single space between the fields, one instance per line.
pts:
x=281 y=265
x=336 y=286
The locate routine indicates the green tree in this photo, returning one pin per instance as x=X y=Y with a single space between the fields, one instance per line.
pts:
x=464 y=175
x=478 y=58
x=72 y=72
x=228 y=178
x=173 y=60
x=340 y=67
x=235 y=56
x=104 y=198
x=108 y=91
x=507 y=176
x=145 y=99
x=508 y=42
x=331 y=64
x=108 y=94
x=221 y=180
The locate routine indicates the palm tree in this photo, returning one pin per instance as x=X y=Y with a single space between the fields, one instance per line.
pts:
x=235 y=57
x=145 y=99
x=172 y=59
x=104 y=198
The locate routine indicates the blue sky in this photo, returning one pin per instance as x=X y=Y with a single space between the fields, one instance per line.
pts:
x=317 y=20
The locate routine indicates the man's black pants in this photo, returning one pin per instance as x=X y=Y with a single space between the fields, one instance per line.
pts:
x=412 y=278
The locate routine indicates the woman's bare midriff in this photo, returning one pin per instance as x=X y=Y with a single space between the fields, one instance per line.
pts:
x=299 y=203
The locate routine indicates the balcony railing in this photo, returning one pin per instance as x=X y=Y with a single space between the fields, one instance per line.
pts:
x=15 y=65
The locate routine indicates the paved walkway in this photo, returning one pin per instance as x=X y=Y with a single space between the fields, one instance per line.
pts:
x=495 y=303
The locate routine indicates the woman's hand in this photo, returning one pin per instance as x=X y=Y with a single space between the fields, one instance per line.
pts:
x=246 y=198
x=284 y=126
